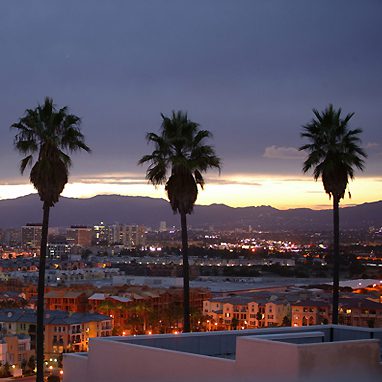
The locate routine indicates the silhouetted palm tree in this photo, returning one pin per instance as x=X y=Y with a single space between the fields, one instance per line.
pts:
x=333 y=152
x=180 y=151
x=50 y=133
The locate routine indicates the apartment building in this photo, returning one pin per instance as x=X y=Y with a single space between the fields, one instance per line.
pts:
x=14 y=349
x=353 y=311
x=67 y=300
x=130 y=236
x=158 y=304
x=360 y=312
x=79 y=235
x=242 y=312
x=72 y=332
x=311 y=312
x=31 y=235
x=64 y=331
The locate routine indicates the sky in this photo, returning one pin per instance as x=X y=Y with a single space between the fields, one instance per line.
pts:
x=248 y=71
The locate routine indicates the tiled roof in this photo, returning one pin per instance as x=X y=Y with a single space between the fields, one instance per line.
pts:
x=53 y=317
x=63 y=294
x=319 y=303
x=121 y=299
x=97 y=296
x=357 y=303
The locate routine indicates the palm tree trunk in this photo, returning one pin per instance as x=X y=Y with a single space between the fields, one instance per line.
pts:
x=186 y=275
x=40 y=295
x=336 y=258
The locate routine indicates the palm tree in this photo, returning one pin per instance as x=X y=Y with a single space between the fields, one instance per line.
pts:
x=180 y=151
x=333 y=152
x=138 y=315
x=50 y=132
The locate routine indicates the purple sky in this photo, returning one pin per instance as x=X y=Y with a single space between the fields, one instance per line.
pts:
x=249 y=71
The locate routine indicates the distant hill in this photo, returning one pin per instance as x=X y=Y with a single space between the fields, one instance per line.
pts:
x=149 y=211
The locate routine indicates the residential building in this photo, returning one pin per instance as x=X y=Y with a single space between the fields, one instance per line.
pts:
x=129 y=236
x=101 y=234
x=15 y=349
x=162 y=226
x=255 y=310
x=58 y=250
x=79 y=235
x=311 y=312
x=31 y=235
x=360 y=312
x=64 y=331
x=66 y=300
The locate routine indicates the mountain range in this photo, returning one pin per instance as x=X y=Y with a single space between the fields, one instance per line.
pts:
x=150 y=211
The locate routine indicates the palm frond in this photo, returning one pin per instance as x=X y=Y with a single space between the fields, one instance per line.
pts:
x=25 y=162
x=179 y=149
x=52 y=133
x=333 y=149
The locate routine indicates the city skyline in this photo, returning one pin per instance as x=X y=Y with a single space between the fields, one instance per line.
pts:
x=249 y=73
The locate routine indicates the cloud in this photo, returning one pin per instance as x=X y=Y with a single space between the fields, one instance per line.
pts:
x=372 y=145
x=280 y=152
x=232 y=181
x=131 y=179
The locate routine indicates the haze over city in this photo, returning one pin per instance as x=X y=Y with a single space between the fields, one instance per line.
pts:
x=249 y=72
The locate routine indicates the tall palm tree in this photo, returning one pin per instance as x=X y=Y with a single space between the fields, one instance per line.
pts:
x=50 y=133
x=179 y=158
x=333 y=153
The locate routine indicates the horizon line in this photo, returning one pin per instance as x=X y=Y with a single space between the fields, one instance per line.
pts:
x=320 y=207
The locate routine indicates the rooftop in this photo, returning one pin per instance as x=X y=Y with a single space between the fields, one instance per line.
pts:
x=52 y=317
x=287 y=354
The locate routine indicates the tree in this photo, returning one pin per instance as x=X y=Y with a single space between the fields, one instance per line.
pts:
x=7 y=369
x=234 y=323
x=333 y=152
x=31 y=363
x=23 y=365
x=51 y=133
x=138 y=316
x=286 y=321
x=180 y=150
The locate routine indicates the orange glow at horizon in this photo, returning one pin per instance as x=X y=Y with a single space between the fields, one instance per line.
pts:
x=236 y=191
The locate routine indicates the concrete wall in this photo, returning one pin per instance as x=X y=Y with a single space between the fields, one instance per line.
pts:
x=76 y=367
x=352 y=360
x=348 y=360
x=131 y=363
x=266 y=360
x=124 y=359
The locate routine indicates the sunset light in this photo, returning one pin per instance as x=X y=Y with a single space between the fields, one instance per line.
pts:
x=237 y=191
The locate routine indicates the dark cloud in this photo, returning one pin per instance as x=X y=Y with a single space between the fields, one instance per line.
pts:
x=248 y=71
x=278 y=152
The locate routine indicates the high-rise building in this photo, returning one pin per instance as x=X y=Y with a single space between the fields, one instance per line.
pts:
x=101 y=233
x=57 y=250
x=31 y=234
x=79 y=235
x=162 y=226
x=10 y=236
x=130 y=236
